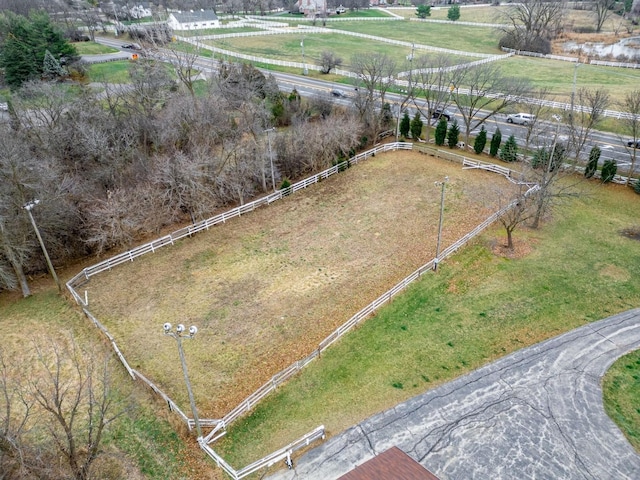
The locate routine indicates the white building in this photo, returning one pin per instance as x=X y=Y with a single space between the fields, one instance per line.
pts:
x=193 y=20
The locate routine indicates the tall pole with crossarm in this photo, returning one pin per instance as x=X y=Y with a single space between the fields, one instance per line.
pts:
x=28 y=206
x=442 y=185
x=178 y=335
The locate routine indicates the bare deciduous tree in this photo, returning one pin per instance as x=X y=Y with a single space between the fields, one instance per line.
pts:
x=515 y=207
x=602 y=10
x=328 y=61
x=62 y=403
x=482 y=91
x=430 y=81
x=531 y=20
x=582 y=121
x=375 y=76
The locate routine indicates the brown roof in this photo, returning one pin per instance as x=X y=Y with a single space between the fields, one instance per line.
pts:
x=392 y=464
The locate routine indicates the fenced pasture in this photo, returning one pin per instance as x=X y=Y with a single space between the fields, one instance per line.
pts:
x=266 y=288
x=287 y=47
x=456 y=37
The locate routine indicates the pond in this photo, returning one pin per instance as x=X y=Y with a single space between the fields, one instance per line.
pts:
x=627 y=48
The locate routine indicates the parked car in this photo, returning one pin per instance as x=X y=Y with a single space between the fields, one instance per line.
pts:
x=131 y=46
x=442 y=112
x=336 y=92
x=521 y=118
x=633 y=144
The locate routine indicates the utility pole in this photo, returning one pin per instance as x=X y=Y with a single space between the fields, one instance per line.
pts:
x=28 y=206
x=273 y=178
x=442 y=185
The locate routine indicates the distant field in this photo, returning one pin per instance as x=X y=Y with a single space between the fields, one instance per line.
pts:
x=456 y=37
x=287 y=47
x=558 y=77
x=480 y=14
x=265 y=289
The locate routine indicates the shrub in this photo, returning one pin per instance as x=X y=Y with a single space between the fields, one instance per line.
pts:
x=609 y=169
x=423 y=11
x=537 y=44
x=636 y=187
x=509 y=152
x=453 y=134
x=441 y=131
x=285 y=186
x=480 y=141
x=592 y=164
x=416 y=126
x=496 y=140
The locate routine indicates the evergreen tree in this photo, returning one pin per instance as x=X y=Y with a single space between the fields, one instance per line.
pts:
x=496 y=140
x=453 y=13
x=592 y=164
x=441 y=131
x=405 y=125
x=609 y=169
x=509 y=152
x=480 y=141
x=453 y=134
x=25 y=41
x=423 y=11
x=416 y=126
x=51 y=68
x=636 y=187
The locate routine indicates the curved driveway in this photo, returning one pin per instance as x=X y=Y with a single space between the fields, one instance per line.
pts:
x=535 y=414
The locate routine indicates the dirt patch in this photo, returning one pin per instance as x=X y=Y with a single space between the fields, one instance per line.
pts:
x=521 y=248
x=633 y=233
x=266 y=288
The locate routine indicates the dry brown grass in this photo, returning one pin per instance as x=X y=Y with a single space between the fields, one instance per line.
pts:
x=266 y=288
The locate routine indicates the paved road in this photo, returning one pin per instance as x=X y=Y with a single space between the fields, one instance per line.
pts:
x=535 y=414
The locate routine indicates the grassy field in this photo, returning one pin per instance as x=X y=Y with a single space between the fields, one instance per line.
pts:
x=456 y=37
x=287 y=47
x=93 y=48
x=480 y=306
x=263 y=289
x=110 y=72
x=621 y=387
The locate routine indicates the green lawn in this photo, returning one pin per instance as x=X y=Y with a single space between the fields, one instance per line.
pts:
x=479 y=307
x=110 y=72
x=621 y=387
x=287 y=47
x=93 y=48
x=455 y=37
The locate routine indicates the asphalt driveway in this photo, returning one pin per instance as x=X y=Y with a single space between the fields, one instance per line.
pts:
x=535 y=414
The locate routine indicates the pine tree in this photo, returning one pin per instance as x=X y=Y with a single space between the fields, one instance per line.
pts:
x=609 y=170
x=441 y=131
x=592 y=164
x=453 y=13
x=496 y=140
x=453 y=134
x=480 y=141
x=51 y=68
x=509 y=152
x=405 y=125
x=416 y=126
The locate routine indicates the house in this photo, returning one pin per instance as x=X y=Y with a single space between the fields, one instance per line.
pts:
x=311 y=7
x=193 y=20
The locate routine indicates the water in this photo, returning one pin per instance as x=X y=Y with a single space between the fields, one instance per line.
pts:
x=628 y=48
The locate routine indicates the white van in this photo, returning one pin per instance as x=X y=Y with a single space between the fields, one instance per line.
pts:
x=521 y=118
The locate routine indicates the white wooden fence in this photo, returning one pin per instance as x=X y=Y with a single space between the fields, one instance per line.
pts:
x=219 y=425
